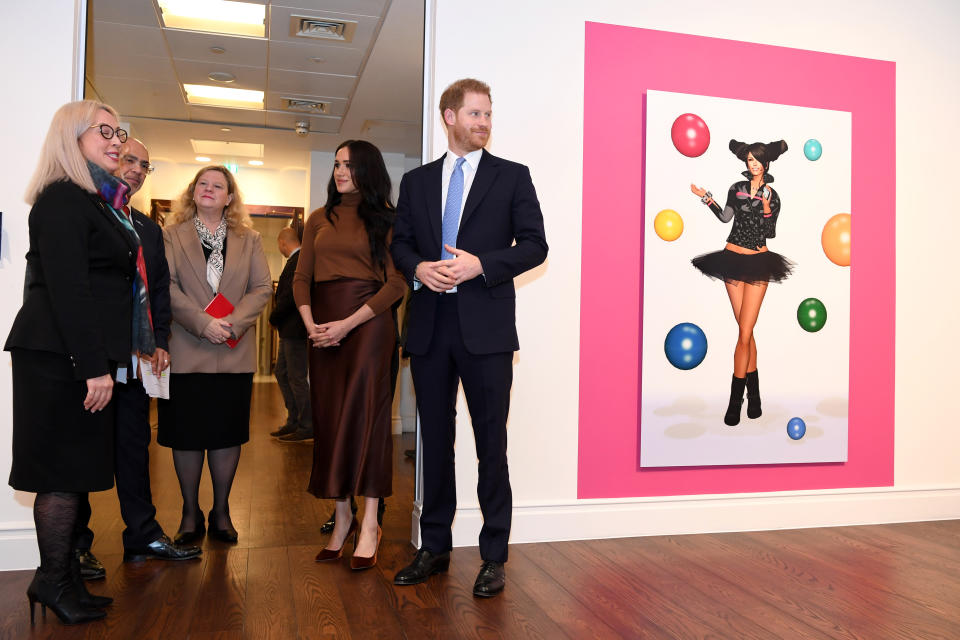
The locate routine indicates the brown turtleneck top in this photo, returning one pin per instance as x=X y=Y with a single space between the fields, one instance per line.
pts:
x=342 y=250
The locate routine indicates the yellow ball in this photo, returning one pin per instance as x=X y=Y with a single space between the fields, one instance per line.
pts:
x=836 y=239
x=668 y=224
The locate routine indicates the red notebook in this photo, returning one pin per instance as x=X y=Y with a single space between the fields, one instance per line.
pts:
x=220 y=307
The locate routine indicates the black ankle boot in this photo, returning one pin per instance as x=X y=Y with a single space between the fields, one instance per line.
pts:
x=753 y=395
x=732 y=417
x=61 y=596
x=86 y=598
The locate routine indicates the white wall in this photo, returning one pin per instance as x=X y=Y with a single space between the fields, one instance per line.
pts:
x=262 y=186
x=27 y=108
x=534 y=65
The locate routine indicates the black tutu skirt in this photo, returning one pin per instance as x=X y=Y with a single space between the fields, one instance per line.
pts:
x=730 y=266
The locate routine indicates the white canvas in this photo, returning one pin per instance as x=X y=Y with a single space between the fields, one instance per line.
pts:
x=801 y=374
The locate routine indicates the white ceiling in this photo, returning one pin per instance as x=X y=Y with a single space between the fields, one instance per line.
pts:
x=373 y=83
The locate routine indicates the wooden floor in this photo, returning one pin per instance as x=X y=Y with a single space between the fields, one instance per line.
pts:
x=879 y=582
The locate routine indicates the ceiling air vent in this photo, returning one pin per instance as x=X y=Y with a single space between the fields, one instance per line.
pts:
x=322 y=28
x=306 y=106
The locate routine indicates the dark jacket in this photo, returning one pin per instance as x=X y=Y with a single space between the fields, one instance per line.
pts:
x=158 y=276
x=285 y=316
x=78 y=293
x=501 y=224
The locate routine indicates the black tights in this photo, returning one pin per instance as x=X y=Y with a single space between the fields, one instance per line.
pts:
x=223 y=467
x=55 y=515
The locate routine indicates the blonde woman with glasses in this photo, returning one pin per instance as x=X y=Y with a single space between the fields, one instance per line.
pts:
x=71 y=339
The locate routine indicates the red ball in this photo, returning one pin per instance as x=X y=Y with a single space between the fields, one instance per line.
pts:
x=690 y=135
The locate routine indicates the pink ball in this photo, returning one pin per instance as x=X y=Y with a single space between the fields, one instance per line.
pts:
x=690 y=135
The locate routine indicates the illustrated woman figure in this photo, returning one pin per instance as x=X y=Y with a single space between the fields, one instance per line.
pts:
x=745 y=264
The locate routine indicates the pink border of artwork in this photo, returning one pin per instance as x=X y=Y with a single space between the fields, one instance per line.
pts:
x=621 y=63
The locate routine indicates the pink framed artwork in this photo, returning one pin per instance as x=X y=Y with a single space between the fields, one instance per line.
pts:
x=621 y=65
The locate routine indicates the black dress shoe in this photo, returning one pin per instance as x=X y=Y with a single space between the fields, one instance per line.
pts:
x=90 y=567
x=227 y=534
x=161 y=549
x=424 y=565
x=331 y=522
x=187 y=536
x=490 y=580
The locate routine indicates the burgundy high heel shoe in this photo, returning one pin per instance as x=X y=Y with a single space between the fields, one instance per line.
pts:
x=358 y=563
x=326 y=555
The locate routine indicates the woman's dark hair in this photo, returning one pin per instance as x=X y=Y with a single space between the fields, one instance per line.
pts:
x=371 y=179
x=764 y=153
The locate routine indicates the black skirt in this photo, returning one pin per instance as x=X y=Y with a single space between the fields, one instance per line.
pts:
x=730 y=266
x=205 y=411
x=57 y=444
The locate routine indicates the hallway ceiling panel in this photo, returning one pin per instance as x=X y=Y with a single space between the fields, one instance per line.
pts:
x=139 y=66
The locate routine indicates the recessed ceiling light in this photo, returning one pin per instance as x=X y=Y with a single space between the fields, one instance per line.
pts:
x=217 y=50
x=216 y=16
x=202 y=159
x=317 y=60
x=256 y=163
x=221 y=76
x=223 y=96
x=225 y=129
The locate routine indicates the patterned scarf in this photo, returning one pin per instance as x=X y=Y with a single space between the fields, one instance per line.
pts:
x=114 y=192
x=214 y=242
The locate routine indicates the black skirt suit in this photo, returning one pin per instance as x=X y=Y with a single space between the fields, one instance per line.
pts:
x=75 y=324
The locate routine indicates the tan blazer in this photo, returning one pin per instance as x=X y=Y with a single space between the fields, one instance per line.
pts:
x=246 y=283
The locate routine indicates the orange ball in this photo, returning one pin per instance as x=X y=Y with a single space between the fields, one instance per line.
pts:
x=836 y=239
x=668 y=224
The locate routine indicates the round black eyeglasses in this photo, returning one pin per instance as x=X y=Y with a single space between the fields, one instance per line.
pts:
x=108 y=132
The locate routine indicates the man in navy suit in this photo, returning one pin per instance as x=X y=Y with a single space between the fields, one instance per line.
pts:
x=467 y=225
x=143 y=537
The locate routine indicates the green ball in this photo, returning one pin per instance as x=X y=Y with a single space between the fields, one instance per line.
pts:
x=812 y=315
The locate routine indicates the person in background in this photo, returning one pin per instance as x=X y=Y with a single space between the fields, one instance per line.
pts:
x=73 y=331
x=143 y=537
x=345 y=288
x=211 y=249
x=293 y=351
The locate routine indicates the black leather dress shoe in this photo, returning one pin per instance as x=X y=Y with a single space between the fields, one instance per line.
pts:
x=424 y=565
x=490 y=580
x=226 y=534
x=90 y=567
x=161 y=549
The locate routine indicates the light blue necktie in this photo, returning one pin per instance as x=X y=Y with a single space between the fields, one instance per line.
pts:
x=451 y=210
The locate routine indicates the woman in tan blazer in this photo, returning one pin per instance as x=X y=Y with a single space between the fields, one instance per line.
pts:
x=212 y=251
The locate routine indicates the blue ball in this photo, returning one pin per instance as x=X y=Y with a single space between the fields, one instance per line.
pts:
x=796 y=428
x=812 y=149
x=685 y=345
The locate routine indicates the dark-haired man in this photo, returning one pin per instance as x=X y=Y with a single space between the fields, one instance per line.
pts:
x=467 y=225
x=143 y=537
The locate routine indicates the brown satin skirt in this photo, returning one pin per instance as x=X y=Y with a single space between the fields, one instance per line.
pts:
x=351 y=396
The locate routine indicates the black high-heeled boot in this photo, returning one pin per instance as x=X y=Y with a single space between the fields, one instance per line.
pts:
x=753 y=395
x=732 y=417
x=62 y=598
x=86 y=598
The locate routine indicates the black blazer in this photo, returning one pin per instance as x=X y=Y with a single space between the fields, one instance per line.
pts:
x=501 y=224
x=285 y=316
x=78 y=293
x=158 y=276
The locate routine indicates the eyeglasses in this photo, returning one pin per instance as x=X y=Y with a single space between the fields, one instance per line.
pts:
x=131 y=159
x=108 y=132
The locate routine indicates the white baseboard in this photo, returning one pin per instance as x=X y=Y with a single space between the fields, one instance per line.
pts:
x=624 y=518
x=18 y=546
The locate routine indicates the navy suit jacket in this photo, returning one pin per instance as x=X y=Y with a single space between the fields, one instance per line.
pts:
x=285 y=315
x=501 y=224
x=158 y=276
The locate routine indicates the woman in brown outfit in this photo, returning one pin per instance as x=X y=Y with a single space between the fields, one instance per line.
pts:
x=345 y=286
